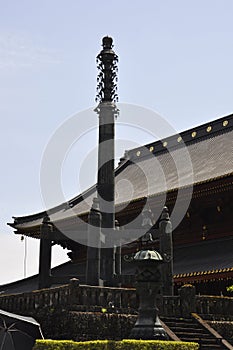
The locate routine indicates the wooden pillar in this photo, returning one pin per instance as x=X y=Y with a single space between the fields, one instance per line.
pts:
x=45 y=253
x=166 y=250
x=118 y=269
x=93 y=245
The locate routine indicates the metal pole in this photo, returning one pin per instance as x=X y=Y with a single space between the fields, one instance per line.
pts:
x=107 y=111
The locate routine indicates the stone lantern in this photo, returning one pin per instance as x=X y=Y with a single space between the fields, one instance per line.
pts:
x=148 y=283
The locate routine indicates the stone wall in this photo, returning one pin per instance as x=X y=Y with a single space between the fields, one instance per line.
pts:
x=82 y=312
x=225 y=328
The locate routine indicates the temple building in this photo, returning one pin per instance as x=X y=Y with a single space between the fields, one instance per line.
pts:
x=203 y=240
x=191 y=173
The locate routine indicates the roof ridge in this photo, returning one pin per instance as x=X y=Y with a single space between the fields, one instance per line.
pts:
x=193 y=135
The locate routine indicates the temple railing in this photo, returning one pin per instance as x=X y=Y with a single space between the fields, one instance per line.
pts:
x=93 y=298
x=214 y=305
x=169 y=305
x=37 y=299
x=72 y=296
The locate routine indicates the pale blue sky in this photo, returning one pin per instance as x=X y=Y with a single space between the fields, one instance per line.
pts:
x=175 y=57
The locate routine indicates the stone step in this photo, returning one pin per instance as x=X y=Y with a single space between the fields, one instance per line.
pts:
x=211 y=341
x=194 y=334
x=177 y=320
x=211 y=347
x=181 y=325
x=191 y=331
x=178 y=326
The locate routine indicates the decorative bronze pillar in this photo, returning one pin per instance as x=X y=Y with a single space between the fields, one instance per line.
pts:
x=45 y=253
x=107 y=111
x=166 y=250
x=148 y=284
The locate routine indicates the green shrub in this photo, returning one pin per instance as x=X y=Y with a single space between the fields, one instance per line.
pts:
x=114 y=345
x=229 y=289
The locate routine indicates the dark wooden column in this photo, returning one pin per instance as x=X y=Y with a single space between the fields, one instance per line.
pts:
x=45 y=253
x=118 y=268
x=93 y=245
x=166 y=250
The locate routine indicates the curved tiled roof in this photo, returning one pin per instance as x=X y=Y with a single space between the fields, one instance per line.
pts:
x=195 y=156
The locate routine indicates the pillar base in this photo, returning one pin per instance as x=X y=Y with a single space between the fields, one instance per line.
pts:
x=148 y=332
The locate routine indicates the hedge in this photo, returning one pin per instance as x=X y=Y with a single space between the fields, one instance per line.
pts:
x=58 y=324
x=114 y=345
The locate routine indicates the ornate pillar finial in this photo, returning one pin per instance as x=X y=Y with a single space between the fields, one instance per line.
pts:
x=107 y=77
x=165 y=214
x=46 y=219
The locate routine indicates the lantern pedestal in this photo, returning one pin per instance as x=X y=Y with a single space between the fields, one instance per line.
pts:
x=148 y=285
